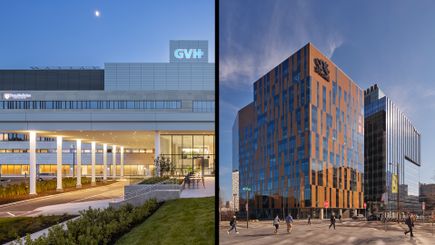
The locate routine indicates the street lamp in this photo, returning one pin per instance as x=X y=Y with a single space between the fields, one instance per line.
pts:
x=247 y=189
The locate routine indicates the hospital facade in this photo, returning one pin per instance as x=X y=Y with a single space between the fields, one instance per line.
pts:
x=110 y=122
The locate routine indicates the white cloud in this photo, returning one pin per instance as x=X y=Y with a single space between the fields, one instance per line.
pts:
x=242 y=64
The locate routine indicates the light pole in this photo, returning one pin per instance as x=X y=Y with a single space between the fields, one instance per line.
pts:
x=247 y=189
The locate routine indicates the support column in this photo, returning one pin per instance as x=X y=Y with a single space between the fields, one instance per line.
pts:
x=321 y=214
x=59 y=163
x=340 y=212
x=79 y=164
x=93 y=163
x=114 y=162
x=104 y=162
x=122 y=162
x=157 y=151
x=32 y=163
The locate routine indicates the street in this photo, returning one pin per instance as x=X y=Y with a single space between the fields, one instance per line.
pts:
x=34 y=206
x=347 y=232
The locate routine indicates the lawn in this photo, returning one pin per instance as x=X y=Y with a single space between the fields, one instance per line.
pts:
x=181 y=221
x=11 y=228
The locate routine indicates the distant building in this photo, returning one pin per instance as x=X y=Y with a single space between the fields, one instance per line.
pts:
x=392 y=148
x=235 y=192
x=427 y=195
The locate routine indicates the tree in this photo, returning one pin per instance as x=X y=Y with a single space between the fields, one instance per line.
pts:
x=164 y=166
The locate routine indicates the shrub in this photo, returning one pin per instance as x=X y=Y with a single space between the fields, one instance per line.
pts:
x=17 y=190
x=97 y=226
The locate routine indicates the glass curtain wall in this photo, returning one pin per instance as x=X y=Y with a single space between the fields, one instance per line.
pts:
x=189 y=153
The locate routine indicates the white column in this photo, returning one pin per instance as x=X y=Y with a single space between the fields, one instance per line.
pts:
x=32 y=162
x=321 y=214
x=157 y=150
x=122 y=162
x=59 y=163
x=114 y=162
x=93 y=163
x=104 y=162
x=79 y=163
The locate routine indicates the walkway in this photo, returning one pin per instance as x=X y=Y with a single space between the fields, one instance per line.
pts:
x=66 y=202
x=200 y=191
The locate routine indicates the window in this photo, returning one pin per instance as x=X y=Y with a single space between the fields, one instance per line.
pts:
x=203 y=105
x=94 y=104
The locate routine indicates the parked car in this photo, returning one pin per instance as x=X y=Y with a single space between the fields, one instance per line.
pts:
x=359 y=217
x=45 y=176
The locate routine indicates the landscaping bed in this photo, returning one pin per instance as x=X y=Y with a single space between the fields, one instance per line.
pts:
x=97 y=226
x=15 y=227
x=181 y=221
x=18 y=192
x=155 y=180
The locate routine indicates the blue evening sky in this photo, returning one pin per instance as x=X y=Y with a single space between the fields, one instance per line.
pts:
x=67 y=33
x=391 y=43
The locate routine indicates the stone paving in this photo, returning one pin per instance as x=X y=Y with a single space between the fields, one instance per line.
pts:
x=200 y=190
x=347 y=232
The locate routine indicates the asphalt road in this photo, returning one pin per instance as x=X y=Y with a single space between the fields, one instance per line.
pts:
x=347 y=232
x=27 y=207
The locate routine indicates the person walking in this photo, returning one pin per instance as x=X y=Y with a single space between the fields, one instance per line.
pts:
x=276 y=224
x=332 y=221
x=289 y=221
x=410 y=223
x=233 y=222
x=309 y=219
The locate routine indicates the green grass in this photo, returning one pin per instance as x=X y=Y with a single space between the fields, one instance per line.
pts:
x=12 y=228
x=181 y=221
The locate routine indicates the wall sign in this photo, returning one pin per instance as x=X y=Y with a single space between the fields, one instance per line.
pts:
x=16 y=96
x=321 y=68
x=183 y=53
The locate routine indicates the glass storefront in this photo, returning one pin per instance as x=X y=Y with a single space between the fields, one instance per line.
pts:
x=189 y=152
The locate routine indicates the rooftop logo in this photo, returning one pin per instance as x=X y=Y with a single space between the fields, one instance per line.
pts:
x=183 y=53
x=18 y=96
x=321 y=68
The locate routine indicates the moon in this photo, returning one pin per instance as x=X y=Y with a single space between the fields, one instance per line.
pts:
x=97 y=13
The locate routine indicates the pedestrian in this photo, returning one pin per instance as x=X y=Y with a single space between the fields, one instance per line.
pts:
x=289 y=221
x=410 y=223
x=309 y=219
x=332 y=221
x=339 y=217
x=276 y=224
x=233 y=222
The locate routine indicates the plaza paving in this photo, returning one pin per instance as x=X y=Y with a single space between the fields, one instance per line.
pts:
x=199 y=190
x=347 y=232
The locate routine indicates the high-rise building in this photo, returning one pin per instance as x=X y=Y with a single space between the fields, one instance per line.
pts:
x=392 y=151
x=235 y=192
x=300 y=142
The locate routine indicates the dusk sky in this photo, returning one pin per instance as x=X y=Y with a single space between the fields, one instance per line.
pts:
x=67 y=33
x=391 y=43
